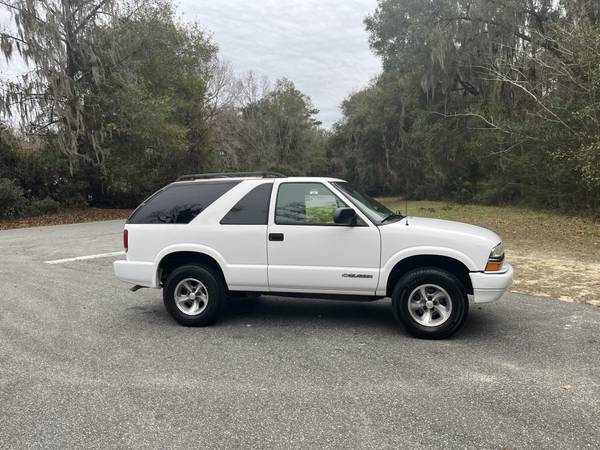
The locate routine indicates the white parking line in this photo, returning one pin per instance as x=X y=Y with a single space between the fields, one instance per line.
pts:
x=81 y=258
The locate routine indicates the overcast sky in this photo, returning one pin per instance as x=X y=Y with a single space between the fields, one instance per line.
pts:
x=321 y=45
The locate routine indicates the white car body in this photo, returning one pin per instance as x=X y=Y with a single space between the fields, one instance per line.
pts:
x=341 y=260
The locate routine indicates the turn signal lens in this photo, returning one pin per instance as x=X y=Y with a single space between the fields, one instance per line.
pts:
x=493 y=266
x=125 y=240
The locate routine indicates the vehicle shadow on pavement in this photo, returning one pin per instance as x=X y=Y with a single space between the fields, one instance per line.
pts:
x=297 y=311
x=481 y=324
x=267 y=312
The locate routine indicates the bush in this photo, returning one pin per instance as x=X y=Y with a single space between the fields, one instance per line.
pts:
x=12 y=199
x=45 y=206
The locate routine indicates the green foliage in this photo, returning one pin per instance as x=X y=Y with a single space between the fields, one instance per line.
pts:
x=155 y=105
x=8 y=153
x=36 y=178
x=44 y=206
x=155 y=111
x=479 y=101
x=12 y=199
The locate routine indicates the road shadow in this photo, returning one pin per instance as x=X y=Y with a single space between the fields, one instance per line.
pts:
x=480 y=323
x=301 y=311
x=267 y=312
x=483 y=324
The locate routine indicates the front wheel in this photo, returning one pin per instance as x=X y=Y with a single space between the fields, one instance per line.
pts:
x=431 y=303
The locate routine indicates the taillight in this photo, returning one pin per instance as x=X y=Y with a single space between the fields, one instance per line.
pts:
x=125 y=239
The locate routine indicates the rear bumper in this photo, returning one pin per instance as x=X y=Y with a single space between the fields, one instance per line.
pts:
x=134 y=272
x=489 y=286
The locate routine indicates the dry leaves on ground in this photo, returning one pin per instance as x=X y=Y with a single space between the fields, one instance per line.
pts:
x=73 y=216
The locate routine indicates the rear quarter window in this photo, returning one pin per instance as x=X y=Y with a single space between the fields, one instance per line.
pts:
x=252 y=209
x=179 y=202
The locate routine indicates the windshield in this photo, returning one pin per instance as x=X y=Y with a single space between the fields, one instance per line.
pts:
x=368 y=205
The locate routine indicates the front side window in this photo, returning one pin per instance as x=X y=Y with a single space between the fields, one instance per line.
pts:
x=252 y=209
x=306 y=204
x=179 y=202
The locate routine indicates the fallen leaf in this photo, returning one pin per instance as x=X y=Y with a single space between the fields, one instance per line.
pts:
x=567 y=387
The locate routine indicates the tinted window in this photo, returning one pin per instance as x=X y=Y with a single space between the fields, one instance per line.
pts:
x=305 y=204
x=180 y=202
x=252 y=209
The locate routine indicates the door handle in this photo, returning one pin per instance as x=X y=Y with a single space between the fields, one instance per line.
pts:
x=276 y=236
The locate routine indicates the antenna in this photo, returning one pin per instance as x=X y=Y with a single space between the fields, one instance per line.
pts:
x=406 y=202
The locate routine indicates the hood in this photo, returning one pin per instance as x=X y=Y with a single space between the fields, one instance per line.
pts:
x=441 y=237
x=453 y=227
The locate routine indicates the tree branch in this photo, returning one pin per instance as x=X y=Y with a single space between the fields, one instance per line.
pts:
x=501 y=77
x=492 y=126
x=90 y=16
x=10 y=36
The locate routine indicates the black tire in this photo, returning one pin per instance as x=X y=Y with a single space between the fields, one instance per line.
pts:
x=430 y=276
x=214 y=288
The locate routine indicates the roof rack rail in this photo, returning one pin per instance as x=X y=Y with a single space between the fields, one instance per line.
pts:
x=208 y=176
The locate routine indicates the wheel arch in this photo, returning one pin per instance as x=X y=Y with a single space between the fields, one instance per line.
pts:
x=177 y=258
x=452 y=265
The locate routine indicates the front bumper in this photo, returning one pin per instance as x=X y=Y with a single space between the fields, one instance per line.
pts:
x=489 y=286
x=138 y=273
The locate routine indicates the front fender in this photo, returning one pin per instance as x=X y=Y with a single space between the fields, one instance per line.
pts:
x=388 y=266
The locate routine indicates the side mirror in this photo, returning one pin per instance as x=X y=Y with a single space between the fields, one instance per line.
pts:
x=344 y=216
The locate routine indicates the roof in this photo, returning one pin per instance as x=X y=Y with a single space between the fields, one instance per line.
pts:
x=213 y=175
x=249 y=175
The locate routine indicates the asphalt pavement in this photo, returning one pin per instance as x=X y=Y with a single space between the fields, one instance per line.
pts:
x=84 y=362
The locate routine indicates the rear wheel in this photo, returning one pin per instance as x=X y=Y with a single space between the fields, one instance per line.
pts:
x=194 y=295
x=430 y=302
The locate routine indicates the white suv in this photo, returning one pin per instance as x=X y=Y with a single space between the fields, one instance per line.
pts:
x=209 y=235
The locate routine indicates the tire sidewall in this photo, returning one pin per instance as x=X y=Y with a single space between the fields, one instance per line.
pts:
x=214 y=288
x=442 y=278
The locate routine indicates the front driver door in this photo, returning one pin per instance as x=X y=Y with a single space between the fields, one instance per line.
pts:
x=308 y=252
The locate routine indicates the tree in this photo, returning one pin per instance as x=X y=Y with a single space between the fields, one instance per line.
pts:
x=58 y=39
x=276 y=128
x=490 y=101
x=132 y=98
x=157 y=104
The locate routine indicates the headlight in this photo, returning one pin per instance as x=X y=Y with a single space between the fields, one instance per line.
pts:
x=495 y=259
x=497 y=253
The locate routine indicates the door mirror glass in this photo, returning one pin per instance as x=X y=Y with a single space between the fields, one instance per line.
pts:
x=344 y=216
